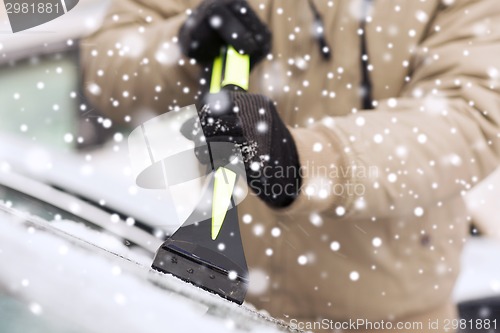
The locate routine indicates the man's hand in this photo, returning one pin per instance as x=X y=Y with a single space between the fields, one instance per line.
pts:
x=216 y=23
x=269 y=152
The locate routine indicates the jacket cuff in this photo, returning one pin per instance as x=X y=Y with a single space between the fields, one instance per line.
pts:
x=324 y=168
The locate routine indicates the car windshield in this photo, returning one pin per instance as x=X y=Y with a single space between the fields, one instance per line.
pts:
x=17 y=318
x=35 y=206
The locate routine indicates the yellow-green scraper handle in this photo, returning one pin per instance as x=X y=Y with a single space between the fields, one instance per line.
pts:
x=230 y=68
x=224 y=182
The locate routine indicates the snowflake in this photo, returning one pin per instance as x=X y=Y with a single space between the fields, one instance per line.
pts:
x=275 y=232
x=258 y=230
x=36 y=309
x=302 y=260
x=354 y=276
x=335 y=246
x=419 y=211
x=316 y=219
x=68 y=137
x=247 y=218
x=376 y=242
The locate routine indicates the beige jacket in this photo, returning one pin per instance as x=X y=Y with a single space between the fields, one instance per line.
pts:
x=377 y=230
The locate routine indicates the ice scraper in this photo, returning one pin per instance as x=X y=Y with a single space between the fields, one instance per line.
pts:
x=210 y=253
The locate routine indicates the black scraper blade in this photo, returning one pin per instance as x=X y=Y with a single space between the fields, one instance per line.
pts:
x=218 y=266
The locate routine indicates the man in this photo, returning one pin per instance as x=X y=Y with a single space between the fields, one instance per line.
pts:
x=391 y=111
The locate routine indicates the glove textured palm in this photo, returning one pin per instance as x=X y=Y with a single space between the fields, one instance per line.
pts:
x=270 y=155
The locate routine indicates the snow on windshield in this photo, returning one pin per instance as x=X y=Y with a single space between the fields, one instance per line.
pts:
x=69 y=287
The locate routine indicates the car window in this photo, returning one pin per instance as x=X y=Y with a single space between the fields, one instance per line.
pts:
x=35 y=206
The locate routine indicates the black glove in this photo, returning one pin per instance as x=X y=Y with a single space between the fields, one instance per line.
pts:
x=269 y=152
x=216 y=23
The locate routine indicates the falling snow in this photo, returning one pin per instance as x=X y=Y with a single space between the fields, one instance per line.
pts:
x=354 y=276
x=302 y=260
x=419 y=211
x=405 y=155
x=376 y=242
x=335 y=246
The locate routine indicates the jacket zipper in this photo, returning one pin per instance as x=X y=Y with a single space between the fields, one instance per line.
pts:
x=366 y=84
x=325 y=50
x=319 y=32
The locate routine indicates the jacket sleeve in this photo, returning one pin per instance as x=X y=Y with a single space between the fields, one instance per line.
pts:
x=434 y=141
x=134 y=63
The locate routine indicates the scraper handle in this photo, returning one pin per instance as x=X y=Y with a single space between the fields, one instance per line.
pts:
x=230 y=70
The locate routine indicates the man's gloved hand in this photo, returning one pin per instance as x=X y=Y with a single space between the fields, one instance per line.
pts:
x=216 y=23
x=269 y=152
